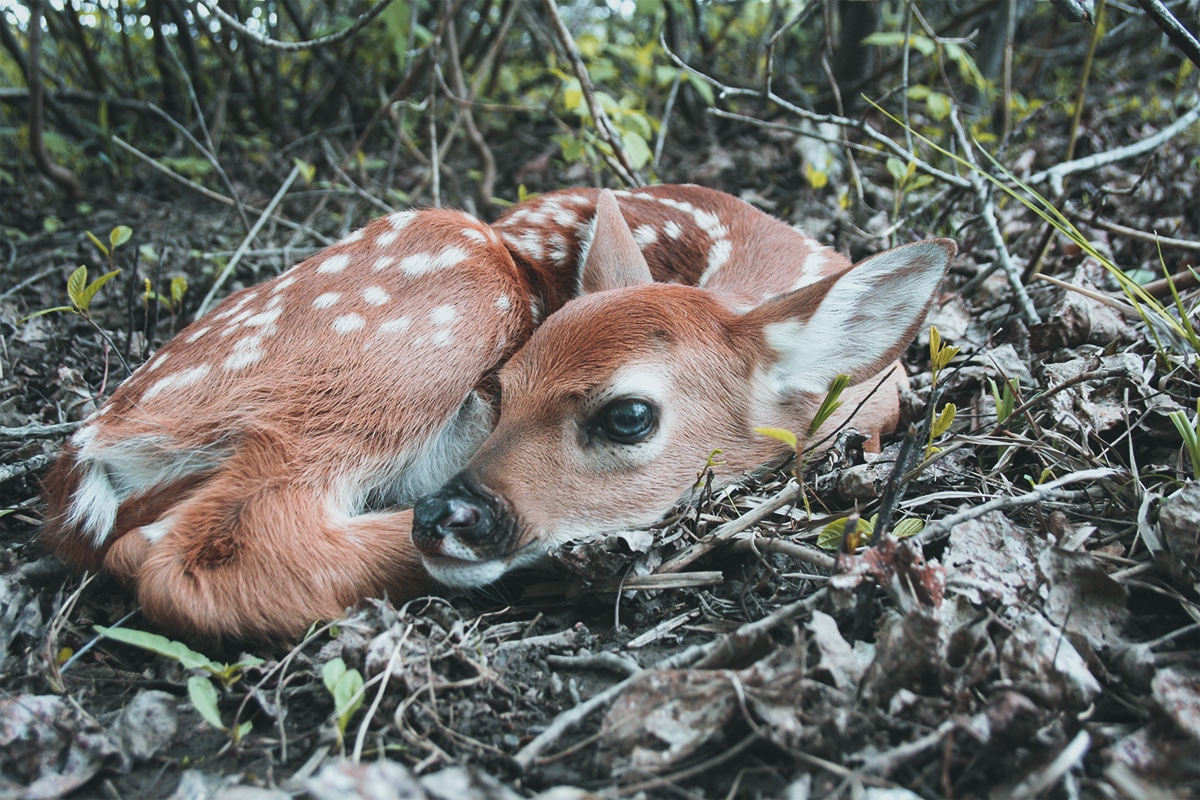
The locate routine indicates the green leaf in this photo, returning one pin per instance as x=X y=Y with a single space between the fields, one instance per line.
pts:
x=44 y=312
x=241 y=731
x=204 y=697
x=99 y=244
x=830 y=537
x=163 y=646
x=780 y=434
x=179 y=287
x=345 y=685
x=94 y=287
x=938 y=106
x=703 y=88
x=905 y=528
x=119 y=235
x=637 y=149
x=943 y=421
x=76 y=284
x=895 y=168
x=831 y=403
x=885 y=39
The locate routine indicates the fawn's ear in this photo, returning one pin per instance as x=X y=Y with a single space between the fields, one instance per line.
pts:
x=855 y=323
x=614 y=259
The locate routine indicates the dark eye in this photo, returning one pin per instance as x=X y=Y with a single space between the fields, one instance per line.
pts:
x=626 y=421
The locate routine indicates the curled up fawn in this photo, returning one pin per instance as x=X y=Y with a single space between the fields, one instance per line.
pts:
x=561 y=373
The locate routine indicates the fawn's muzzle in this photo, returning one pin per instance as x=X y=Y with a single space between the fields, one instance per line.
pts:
x=462 y=521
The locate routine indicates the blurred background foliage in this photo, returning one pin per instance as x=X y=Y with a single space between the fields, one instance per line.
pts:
x=472 y=102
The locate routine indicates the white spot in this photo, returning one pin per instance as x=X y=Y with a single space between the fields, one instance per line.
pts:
x=645 y=235
x=158 y=361
x=197 y=334
x=535 y=310
x=384 y=263
x=386 y=238
x=156 y=530
x=348 y=323
x=717 y=257
x=334 y=264
x=326 y=300
x=442 y=337
x=397 y=325
x=399 y=221
x=282 y=284
x=233 y=309
x=672 y=229
x=813 y=262
x=806 y=280
x=443 y=315
x=529 y=243
x=178 y=380
x=566 y=218
x=475 y=235
x=375 y=295
x=503 y=302
x=264 y=319
x=422 y=263
x=246 y=352
x=353 y=237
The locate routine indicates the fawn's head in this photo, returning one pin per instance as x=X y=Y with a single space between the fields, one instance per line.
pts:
x=615 y=404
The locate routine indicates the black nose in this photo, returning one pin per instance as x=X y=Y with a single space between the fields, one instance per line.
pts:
x=459 y=510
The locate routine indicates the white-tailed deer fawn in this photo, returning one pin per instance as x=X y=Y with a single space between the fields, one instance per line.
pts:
x=255 y=474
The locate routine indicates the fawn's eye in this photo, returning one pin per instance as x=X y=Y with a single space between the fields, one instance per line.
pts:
x=627 y=421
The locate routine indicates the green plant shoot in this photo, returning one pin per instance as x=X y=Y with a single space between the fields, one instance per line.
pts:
x=1006 y=400
x=1189 y=431
x=228 y=674
x=940 y=355
x=830 y=537
x=346 y=688
x=204 y=698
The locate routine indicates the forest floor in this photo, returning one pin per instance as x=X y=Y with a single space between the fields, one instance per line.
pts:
x=1038 y=638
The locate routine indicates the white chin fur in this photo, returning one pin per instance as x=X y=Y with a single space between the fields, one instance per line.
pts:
x=472 y=574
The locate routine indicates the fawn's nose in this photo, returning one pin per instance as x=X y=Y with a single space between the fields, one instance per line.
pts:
x=459 y=515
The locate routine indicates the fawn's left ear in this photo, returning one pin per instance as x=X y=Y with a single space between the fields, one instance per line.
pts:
x=614 y=259
x=855 y=323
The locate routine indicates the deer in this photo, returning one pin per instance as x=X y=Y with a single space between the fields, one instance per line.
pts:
x=435 y=400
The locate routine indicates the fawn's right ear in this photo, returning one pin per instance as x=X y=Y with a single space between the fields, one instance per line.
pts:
x=855 y=323
x=614 y=259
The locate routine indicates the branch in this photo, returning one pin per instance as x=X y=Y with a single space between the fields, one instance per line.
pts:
x=1180 y=36
x=620 y=162
x=292 y=47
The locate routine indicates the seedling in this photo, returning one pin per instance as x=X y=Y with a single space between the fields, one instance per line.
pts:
x=830 y=537
x=201 y=690
x=1189 y=430
x=346 y=688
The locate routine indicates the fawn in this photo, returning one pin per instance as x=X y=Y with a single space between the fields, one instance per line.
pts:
x=258 y=472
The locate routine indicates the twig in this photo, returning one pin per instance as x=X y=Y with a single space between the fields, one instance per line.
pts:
x=987 y=210
x=292 y=47
x=23 y=468
x=37 y=143
x=1040 y=780
x=620 y=163
x=1180 y=36
x=36 y=431
x=787 y=496
x=237 y=256
x=1047 y=491
x=211 y=195
x=573 y=716
x=1055 y=174
x=1144 y=236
